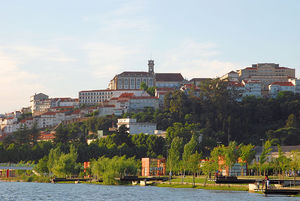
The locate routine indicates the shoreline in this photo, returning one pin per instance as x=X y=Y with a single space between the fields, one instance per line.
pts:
x=227 y=187
x=187 y=185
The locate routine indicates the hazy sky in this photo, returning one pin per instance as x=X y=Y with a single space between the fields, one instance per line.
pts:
x=60 y=47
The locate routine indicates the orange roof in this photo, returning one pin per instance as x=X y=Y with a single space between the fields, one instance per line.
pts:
x=126 y=95
x=143 y=97
x=49 y=113
x=283 y=84
x=47 y=136
x=282 y=68
x=62 y=107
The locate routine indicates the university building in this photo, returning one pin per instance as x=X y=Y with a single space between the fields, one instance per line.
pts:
x=133 y=79
x=266 y=73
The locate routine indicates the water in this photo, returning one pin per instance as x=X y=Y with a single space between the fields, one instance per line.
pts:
x=19 y=191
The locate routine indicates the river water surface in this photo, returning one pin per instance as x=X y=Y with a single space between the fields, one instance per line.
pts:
x=16 y=191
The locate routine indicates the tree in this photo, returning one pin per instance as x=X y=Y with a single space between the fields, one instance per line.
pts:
x=291 y=121
x=109 y=169
x=189 y=149
x=231 y=155
x=66 y=164
x=174 y=154
x=61 y=135
x=264 y=155
x=149 y=90
x=42 y=165
x=34 y=134
x=194 y=164
x=282 y=161
x=295 y=162
x=54 y=155
x=247 y=153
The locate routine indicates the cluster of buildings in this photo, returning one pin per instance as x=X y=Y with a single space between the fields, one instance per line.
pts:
x=124 y=94
x=44 y=112
x=264 y=79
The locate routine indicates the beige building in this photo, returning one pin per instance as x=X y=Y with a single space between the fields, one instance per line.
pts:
x=266 y=73
x=133 y=79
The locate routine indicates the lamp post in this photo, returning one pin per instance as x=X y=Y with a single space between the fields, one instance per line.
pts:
x=262 y=143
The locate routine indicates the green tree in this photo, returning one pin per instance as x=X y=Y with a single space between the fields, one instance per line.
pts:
x=295 y=162
x=189 y=149
x=66 y=164
x=264 y=155
x=174 y=155
x=42 y=165
x=247 y=153
x=282 y=161
x=194 y=164
x=231 y=154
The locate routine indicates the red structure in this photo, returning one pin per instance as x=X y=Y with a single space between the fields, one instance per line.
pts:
x=153 y=166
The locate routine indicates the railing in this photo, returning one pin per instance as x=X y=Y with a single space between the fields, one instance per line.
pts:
x=16 y=166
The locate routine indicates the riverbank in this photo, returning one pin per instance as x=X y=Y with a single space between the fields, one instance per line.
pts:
x=176 y=182
x=227 y=187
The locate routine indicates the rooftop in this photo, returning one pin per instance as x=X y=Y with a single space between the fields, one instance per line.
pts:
x=283 y=83
x=169 y=77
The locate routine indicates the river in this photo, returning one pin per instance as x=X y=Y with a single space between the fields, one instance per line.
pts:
x=19 y=191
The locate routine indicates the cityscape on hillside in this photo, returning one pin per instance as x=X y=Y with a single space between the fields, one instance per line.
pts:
x=125 y=93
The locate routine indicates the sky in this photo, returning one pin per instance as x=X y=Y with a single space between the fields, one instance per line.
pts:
x=61 y=47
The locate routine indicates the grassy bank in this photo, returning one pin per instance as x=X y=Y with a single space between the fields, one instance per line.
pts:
x=25 y=178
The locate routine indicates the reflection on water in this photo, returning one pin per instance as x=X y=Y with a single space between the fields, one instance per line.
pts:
x=42 y=191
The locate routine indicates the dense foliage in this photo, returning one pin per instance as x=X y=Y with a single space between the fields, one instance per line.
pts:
x=194 y=125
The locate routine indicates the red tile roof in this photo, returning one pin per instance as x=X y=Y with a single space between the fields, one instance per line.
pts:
x=47 y=136
x=143 y=97
x=283 y=83
x=49 y=113
x=282 y=68
x=126 y=95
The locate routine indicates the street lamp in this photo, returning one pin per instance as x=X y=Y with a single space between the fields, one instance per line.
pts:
x=262 y=142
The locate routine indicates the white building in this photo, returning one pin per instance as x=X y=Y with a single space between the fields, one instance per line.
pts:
x=276 y=87
x=137 y=103
x=137 y=128
x=42 y=103
x=252 y=88
x=127 y=102
x=296 y=83
x=94 y=97
x=64 y=102
x=231 y=76
x=28 y=123
x=36 y=100
x=160 y=94
x=9 y=124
